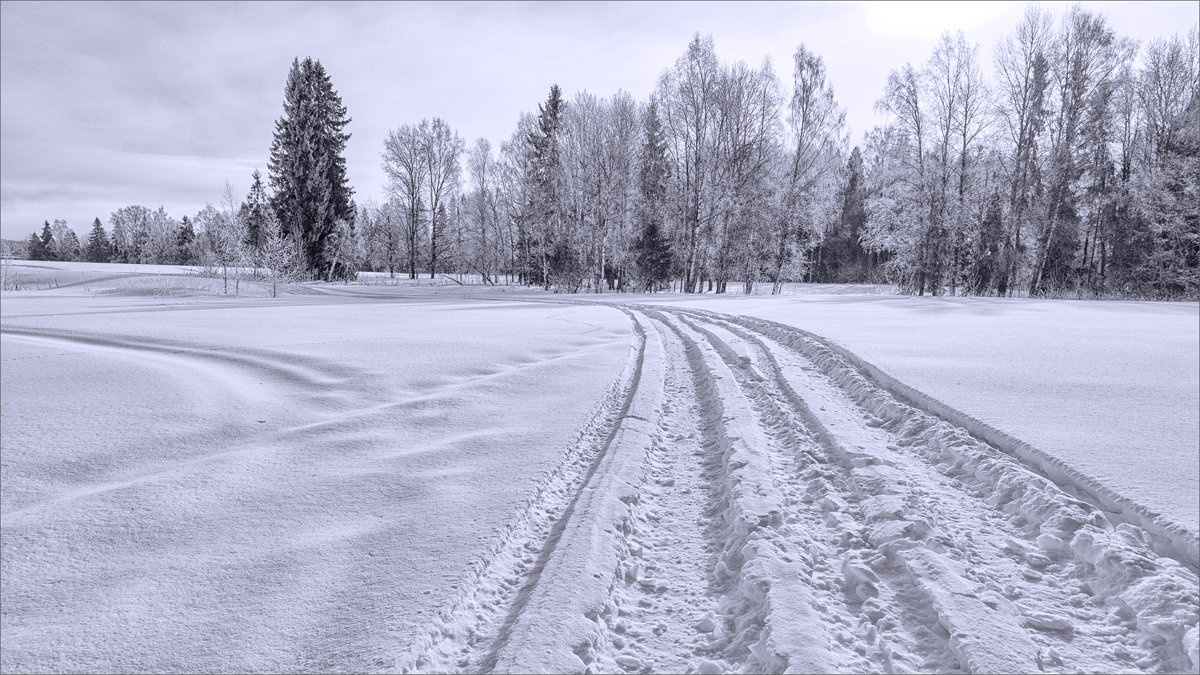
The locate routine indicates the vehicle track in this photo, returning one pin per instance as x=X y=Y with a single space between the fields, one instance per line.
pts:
x=1019 y=573
x=746 y=499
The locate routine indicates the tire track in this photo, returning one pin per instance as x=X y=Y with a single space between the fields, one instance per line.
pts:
x=988 y=543
x=472 y=631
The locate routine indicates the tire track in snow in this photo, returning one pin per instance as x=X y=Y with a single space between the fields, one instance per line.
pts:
x=771 y=626
x=472 y=632
x=997 y=551
x=660 y=616
x=746 y=500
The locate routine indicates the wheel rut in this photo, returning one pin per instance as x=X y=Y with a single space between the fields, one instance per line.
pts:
x=747 y=500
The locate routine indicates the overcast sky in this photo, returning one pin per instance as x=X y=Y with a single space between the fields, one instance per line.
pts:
x=103 y=105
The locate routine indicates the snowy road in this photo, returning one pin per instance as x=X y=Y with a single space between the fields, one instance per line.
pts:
x=748 y=500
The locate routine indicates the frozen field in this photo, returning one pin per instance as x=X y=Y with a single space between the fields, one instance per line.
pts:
x=418 y=478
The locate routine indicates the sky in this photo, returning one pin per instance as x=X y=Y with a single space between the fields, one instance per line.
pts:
x=104 y=105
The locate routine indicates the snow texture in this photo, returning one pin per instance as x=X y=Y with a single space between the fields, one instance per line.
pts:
x=436 y=480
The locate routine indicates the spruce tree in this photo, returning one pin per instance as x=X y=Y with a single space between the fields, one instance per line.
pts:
x=184 y=242
x=98 y=248
x=547 y=189
x=37 y=250
x=254 y=213
x=652 y=248
x=308 y=169
x=47 y=240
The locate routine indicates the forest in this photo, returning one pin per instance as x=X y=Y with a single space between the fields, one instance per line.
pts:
x=1067 y=167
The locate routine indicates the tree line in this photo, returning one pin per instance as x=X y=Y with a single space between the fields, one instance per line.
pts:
x=1068 y=166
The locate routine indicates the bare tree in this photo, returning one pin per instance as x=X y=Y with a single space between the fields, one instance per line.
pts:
x=404 y=165
x=440 y=149
x=689 y=93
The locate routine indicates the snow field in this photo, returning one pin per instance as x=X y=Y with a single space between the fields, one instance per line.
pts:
x=415 y=483
x=252 y=488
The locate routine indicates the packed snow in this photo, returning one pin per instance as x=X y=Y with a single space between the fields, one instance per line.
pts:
x=423 y=478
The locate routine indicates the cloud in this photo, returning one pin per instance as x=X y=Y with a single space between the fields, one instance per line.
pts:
x=924 y=20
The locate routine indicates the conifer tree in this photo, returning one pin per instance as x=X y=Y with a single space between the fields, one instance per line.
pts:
x=308 y=169
x=37 y=250
x=185 y=242
x=47 y=243
x=254 y=213
x=547 y=188
x=652 y=248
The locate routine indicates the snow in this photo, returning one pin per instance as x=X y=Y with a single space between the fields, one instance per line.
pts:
x=1111 y=387
x=428 y=478
x=262 y=487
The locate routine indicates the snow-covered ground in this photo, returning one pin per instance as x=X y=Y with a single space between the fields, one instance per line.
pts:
x=419 y=478
x=1111 y=387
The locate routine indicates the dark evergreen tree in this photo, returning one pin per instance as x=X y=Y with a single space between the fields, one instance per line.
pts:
x=254 y=213
x=308 y=169
x=47 y=248
x=840 y=257
x=185 y=243
x=37 y=250
x=988 y=263
x=547 y=189
x=652 y=248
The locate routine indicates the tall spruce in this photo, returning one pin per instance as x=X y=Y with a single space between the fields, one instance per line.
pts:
x=308 y=169
x=47 y=241
x=652 y=248
x=547 y=197
x=98 y=248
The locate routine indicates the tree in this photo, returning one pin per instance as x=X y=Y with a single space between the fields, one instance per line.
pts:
x=689 y=92
x=185 y=243
x=69 y=247
x=652 y=247
x=307 y=167
x=547 y=191
x=1087 y=56
x=45 y=249
x=441 y=147
x=816 y=123
x=223 y=238
x=1022 y=69
x=98 y=248
x=255 y=213
x=840 y=257
x=483 y=209
x=130 y=232
x=404 y=165
x=276 y=253
x=37 y=248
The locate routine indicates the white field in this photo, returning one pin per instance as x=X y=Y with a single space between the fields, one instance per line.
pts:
x=417 y=476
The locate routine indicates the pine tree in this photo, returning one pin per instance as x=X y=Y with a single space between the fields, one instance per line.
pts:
x=547 y=175
x=652 y=248
x=37 y=250
x=47 y=241
x=254 y=212
x=307 y=167
x=185 y=243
